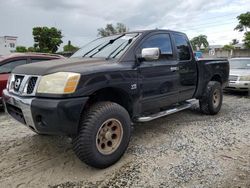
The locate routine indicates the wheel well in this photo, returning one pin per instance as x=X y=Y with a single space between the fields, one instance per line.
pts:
x=217 y=78
x=113 y=95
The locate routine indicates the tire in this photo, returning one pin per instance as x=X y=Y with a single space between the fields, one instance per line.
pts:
x=211 y=101
x=97 y=135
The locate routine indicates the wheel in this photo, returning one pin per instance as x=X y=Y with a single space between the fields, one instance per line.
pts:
x=211 y=101
x=103 y=136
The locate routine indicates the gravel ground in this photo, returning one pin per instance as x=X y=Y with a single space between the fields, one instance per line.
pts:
x=186 y=149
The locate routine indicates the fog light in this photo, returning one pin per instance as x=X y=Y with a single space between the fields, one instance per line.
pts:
x=40 y=121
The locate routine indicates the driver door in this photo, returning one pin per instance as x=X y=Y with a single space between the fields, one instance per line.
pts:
x=158 y=78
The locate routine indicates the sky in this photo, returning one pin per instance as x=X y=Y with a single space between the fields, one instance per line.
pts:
x=79 y=19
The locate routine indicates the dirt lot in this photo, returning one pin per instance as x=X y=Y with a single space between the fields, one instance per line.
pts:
x=186 y=149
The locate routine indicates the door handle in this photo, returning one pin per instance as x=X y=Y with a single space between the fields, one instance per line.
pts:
x=173 y=69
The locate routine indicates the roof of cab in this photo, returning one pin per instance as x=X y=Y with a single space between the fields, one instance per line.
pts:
x=154 y=30
x=30 y=54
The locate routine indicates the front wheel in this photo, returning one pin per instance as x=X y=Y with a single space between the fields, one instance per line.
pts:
x=211 y=101
x=104 y=135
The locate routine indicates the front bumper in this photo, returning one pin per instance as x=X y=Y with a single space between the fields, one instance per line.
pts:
x=46 y=116
x=238 y=86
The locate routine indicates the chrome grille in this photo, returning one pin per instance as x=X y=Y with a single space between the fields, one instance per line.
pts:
x=233 y=78
x=24 y=85
x=31 y=85
x=17 y=82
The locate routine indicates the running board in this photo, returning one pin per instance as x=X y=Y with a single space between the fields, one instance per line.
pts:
x=181 y=107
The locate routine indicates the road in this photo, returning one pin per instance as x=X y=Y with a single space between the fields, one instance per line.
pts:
x=186 y=149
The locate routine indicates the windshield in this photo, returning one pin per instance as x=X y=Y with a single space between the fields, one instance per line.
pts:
x=107 y=47
x=240 y=63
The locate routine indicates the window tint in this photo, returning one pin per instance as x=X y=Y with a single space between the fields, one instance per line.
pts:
x=8 y=67
x=161 y=41
x=182 y=47
x=38 y=60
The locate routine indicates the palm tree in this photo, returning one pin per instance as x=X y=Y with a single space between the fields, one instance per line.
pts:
x=199 y=41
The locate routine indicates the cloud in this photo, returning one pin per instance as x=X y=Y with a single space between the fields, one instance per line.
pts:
x=79 y=20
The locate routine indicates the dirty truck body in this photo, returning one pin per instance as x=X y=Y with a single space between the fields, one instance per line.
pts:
x=97 y=94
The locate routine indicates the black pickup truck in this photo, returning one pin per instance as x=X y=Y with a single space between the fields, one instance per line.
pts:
x=96 y=95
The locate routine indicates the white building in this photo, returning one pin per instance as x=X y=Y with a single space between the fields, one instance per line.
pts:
x=7 y=44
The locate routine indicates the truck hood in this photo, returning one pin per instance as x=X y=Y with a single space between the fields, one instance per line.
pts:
x=78 y=65
x=240 y=72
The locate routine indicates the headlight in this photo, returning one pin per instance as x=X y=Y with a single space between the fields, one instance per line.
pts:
x=59 y=83
x=245 y=78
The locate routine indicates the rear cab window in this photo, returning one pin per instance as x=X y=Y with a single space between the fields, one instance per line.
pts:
x=35 y=60
x=182 y=46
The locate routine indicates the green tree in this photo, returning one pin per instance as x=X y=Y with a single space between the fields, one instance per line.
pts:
x=228 y=47
x=31 y=49
x=47 y=39
x=244 y=22
x=121 y=28
x=244 y=25
x=199 y=41
x=111 y=30
x=70 y=48
x=246 y=40
x=21 y=49
x=234 y=41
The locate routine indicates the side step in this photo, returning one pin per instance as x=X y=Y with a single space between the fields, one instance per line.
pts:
x=183 y=106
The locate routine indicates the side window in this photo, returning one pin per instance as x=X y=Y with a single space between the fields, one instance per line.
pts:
x=8 y=67
x=161 y=41
x=182 y=47
x=38 y=60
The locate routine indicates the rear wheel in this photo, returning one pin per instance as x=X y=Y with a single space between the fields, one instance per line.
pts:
x=104 y=135
x=211 y=101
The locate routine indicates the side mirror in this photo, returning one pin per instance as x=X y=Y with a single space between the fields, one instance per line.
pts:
x=150 y=54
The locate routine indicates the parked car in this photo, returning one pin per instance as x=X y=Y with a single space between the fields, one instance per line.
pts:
x=97 y=94
x=239 y=78
x=9 y=62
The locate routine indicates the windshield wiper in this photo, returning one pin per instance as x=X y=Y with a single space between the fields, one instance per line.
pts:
x=110 y=42
x=116 y=49
x=128 y=42
x=91 y=50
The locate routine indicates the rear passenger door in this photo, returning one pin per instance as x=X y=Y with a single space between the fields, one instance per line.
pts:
x=186 y=67
x=157 y=78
